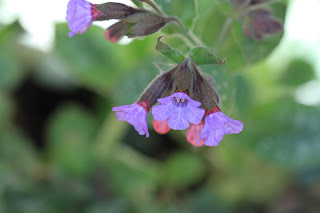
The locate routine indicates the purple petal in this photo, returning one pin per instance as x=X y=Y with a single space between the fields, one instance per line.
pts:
x=178 y=120
x=213 y=138
x=135 y=115
x=79 y=16
x=163 y=111
x=182 y=95
x=194 y=115
x=179 y=109
x=216 y=126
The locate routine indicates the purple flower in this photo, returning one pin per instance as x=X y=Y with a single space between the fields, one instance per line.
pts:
x=179 y=109
x=216 y=126
x=135 y=114
x=80 y=15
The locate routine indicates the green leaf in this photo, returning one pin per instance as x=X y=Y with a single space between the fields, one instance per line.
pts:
x=289 y=136
x=202 y=55
x=10 y=72
x=95 y=62
x=184 y=10
x=70 y=134
x=224 y=84
x=17 y=153
x=138 y=3
x=133 y=174
x=6 y=110
x=174 y=55
x=183 y=169
x=297 y=73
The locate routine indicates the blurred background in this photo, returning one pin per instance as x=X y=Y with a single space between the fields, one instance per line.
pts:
x=62 y=150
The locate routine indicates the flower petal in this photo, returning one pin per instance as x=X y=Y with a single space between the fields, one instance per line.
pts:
x=79 y=16
x=194 y=115
x=135 y=115
x=162 y=112
x=216 y=126
x=178 y=119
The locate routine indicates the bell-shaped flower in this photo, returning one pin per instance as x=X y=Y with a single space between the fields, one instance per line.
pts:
x=217 y=125
x=179 y=109
x=135 y=114
x=80 y=14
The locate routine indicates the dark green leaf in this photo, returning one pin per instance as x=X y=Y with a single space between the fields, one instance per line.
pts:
x=70 y=135
x=202 y=55
x=96 y=62
x=174 y=55
x=290 y=134
x=183 y=169
x=298 y=72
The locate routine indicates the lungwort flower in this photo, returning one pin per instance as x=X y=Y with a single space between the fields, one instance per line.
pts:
x=217 y=125
x=135 y=114
x=80 y=14
x=179 y=109
x=182 y=98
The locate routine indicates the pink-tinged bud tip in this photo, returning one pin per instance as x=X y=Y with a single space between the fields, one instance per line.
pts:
x=109 y=38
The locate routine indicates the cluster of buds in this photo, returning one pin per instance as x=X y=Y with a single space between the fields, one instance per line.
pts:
x=182 y=98
x=132 y=22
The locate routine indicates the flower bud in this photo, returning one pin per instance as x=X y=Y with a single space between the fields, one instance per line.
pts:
x=145 y=23
x=115 y=31
x=114 y=11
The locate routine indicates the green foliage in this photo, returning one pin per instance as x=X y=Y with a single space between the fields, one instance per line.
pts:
x=70 y=134
x=296 y=68
x=183 y=169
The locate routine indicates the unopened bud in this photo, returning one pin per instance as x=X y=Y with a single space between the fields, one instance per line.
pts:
x=114 y=11
x=145 y=23
x=115 y=31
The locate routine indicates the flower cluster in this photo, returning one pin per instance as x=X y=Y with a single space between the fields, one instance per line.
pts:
x=132 y=22
x=181 y=99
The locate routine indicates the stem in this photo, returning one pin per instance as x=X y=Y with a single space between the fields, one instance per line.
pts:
x=223 y=33
x=186 y=33
x=154 y=6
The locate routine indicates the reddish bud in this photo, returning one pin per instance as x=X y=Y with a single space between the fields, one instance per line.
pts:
x=161 y=127
x=193 y=134
x=116 y=31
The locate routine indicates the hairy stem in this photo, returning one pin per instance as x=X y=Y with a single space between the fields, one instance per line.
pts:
x=154 y=6
x=185 y=32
